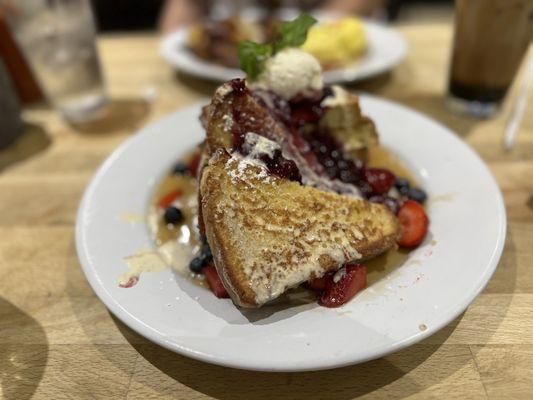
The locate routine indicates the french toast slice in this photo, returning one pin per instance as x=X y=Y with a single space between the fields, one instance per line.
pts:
x=269 y=234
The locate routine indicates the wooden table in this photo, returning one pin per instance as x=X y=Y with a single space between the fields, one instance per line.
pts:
x=57 y=340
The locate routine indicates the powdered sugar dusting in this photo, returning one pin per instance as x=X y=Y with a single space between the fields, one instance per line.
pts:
x=228 y=122
x=247 y=168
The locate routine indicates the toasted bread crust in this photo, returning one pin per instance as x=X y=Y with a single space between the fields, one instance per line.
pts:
x=268 y=234
x=223 y=256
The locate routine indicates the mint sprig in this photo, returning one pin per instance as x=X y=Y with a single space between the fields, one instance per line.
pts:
x=252 y=56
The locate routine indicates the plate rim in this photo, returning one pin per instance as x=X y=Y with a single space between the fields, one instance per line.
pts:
x=133 y=323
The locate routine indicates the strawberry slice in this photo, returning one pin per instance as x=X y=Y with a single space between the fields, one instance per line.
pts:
x=215 y=283
x=319 y=284
x=194 y=164
x=351 y=281
x=414 y=224
x=169 y=198
x=379 y=179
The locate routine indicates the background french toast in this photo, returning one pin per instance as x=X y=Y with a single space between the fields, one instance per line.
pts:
x=347 y=125
x=269 y=234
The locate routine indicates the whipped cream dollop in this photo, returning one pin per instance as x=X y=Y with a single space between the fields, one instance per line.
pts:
x=291 y=72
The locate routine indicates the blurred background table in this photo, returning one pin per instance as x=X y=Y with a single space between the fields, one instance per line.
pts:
x=58 y=341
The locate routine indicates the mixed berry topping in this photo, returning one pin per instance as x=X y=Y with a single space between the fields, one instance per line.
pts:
x=204 y=258
x=392 y=203
x=306 y=110
x=344 y=285
x=274 y=161
x=414 y=224
x=173 y=215
x=301 y=116
x=197 y=264
x=402 y=185
x=329 y=153
x=180 y=168
x=215 y=283
x=379 y=179
x=194 y=164
x=417 y=195
x=282 y=167
x=238 y=86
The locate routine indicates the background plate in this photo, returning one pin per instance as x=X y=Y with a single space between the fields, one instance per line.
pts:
x=386 y=48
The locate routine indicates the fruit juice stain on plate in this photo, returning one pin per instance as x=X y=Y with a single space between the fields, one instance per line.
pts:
x=381 y=266
x=384 y=265
x=138 y=263
x=447 y=197
x=176 y=243
x=130 y=217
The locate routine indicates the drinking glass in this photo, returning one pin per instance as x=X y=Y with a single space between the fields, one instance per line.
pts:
x=57 y=38
x=491 y=38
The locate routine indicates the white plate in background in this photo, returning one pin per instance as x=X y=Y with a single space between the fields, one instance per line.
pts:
x=386 y=49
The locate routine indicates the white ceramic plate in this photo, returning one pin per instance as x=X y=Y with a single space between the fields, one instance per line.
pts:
x=386 y=48
x=435 y=284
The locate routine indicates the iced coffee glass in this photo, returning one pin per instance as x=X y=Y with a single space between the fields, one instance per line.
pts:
x=491 y=38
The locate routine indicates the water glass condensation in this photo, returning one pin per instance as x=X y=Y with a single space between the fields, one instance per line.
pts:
x=491 y=38
x=58 y=39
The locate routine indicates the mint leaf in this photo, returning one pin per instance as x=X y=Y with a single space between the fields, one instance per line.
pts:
x=252 y=56
x=294 y=33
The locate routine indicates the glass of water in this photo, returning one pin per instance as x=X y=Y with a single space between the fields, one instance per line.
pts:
x=58 y=39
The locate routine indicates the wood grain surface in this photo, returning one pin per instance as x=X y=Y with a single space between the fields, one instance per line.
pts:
x=57 y=341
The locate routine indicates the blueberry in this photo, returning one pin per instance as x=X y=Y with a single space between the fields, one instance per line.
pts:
x=173 y=215
x=364 y=188
x=335 y=154
x=343 y=164
x=206 y=251
x=329 y=163
x=180 y=169
x=392 y=204
x=348 y=176
x=197 y=264
x=402 y=185
x=417 y=195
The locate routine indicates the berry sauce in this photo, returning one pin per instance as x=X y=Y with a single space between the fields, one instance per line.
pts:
x=238 y=86
x=301 y=116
